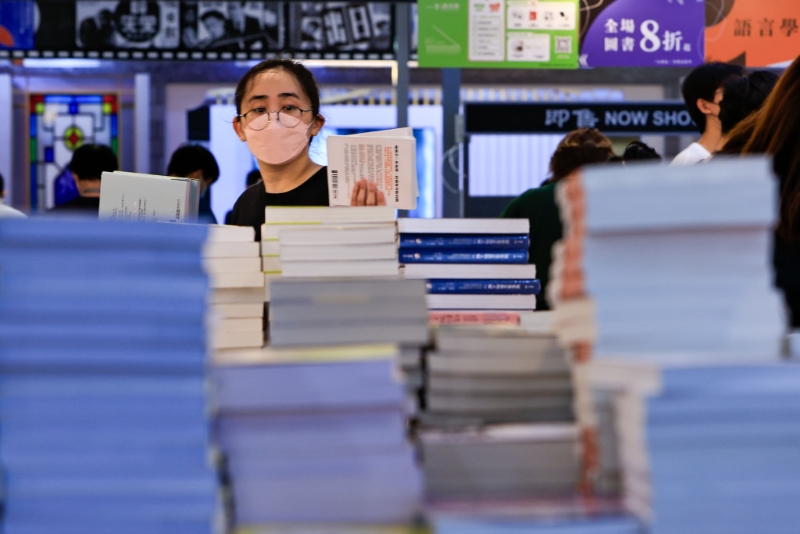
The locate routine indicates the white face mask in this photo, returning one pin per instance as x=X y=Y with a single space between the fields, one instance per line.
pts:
x=276 y=144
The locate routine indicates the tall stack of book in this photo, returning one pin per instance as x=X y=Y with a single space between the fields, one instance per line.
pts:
x=236 y=303
x=671 y=267
x=313 y=427
x=708 y=448
x=497 y=419
x=102 y=385
x=328 y=242
x=671 y=262
x=470 y=264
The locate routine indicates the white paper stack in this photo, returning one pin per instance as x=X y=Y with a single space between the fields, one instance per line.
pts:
x=236 y=303
x=316 y=437
x=328 y=242
x=470 y=264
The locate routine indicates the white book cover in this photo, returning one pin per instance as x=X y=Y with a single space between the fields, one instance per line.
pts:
x=213 y=249
x=227 y=280
x=340 y=269
x=416 y=271
x=128 y=196
x=238 y=311
x=481 y=302
x=311 y=215
x=228 y=233
x=232 y=265
x=463 y=226
x=380 y=251
x=386 y=158
x=237 y=295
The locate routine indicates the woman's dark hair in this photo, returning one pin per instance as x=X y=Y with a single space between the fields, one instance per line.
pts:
x=740 y=135
x=776 y=132
x=568 y=159
x=742 y=96
x=300 y=72
x=637 y=151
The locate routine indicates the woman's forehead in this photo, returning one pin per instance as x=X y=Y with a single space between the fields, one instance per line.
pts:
x=275 y=82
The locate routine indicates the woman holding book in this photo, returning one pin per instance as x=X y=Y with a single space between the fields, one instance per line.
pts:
x=277 y=115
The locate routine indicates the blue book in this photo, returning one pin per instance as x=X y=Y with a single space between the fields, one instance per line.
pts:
x=480 y=287
x=464 y=241
x=462 y=256
x=45 y=233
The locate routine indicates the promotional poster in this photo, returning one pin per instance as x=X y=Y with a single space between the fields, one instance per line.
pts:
x=754 y=33
x=642 y=33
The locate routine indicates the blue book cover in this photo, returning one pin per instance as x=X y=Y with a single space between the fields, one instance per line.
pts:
x=464 y=241
x=462 y=256
x=479 y=287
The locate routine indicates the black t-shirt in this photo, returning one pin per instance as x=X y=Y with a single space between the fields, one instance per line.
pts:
x=249 y=209
x=78 y=205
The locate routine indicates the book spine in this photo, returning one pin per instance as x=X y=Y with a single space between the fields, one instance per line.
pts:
x=455 y=241
x=462 y=256
x=483 y=287
x=471 y=318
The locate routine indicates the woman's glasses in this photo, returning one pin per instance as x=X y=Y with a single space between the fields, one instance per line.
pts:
x=258 y=118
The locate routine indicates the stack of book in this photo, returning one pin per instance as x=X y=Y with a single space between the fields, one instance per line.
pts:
x=496 y=375
x=236 y=303
x=353 y=311
x=498 y=420
x=334 y=312
x=340 y=242
x=676 y=261
x=316 y=436
x=708 y=448
x=102 y=385
x=470 y=264
x=552 y=519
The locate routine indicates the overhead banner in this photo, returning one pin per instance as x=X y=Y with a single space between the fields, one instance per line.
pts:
x=561 y=117
x=643 y=33
x=755 y=33
x=196 y=29
x=498 y=33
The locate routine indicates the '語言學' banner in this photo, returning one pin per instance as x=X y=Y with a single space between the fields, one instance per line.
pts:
x=755 y=33
x=498 y=33
x=642 y=33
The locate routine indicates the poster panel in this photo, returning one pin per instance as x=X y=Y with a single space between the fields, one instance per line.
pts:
x=232 y=26
x=16 y=25
x=754 y=33
x=498 y=33
x=104 y=25
x=642 y=33
x=331 y=27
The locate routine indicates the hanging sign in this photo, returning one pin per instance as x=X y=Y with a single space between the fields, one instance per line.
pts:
x=643 y=33
x=498 y=33
x=755 y=33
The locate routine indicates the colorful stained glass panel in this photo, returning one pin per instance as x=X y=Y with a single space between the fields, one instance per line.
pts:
x=59 y=124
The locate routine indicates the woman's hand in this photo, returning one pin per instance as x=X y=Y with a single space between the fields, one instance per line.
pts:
x=365 y=194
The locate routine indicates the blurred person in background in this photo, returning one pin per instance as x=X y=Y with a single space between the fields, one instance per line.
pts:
x=6 y=211
x=580 y=147
x=776 y=131
x=743 y=96
x=639 y=151
x=87 y=166
x=196 y=161
x=702 y=92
